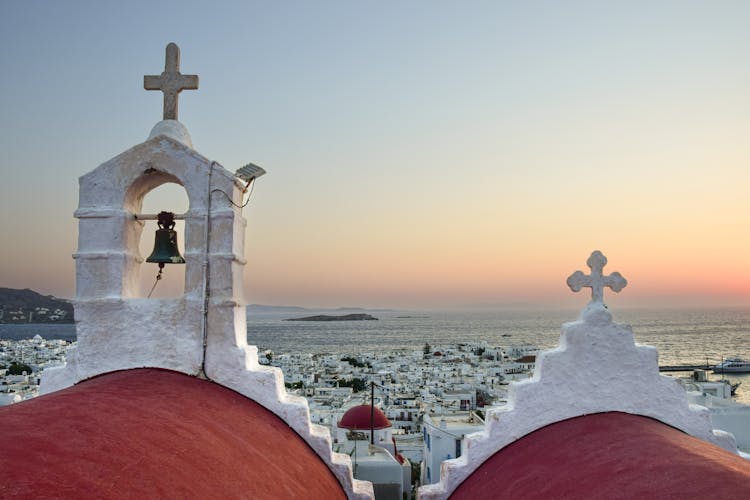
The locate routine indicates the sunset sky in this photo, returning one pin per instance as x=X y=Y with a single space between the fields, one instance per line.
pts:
x=420 y=154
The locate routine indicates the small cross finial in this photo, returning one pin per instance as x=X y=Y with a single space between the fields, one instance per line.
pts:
x=596 y=280
x=171 y=81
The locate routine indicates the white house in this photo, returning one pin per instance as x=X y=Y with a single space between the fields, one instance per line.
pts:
x=443 y=438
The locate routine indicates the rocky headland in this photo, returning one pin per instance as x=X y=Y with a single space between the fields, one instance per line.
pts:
x=28 y=306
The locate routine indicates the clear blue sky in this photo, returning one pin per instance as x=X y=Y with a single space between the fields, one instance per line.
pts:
x=419 y=153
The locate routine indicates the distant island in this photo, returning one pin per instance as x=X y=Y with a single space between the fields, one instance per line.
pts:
x=345 y=317
x=271 y=309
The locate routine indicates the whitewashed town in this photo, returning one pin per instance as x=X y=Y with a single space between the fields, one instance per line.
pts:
x=426 y=401
x=439 y=391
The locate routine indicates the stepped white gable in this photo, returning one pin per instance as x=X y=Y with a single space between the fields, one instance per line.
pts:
x=201 y=333
x=597 y=368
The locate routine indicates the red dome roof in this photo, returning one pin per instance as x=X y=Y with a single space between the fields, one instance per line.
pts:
x=151 y=433
x=357 y=418
x=608 y=455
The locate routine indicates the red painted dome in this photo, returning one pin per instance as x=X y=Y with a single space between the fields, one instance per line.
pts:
x=608 y=455
x=357 y=418
x=151 y=433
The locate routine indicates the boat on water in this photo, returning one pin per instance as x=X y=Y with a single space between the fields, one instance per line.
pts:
x=733 y=365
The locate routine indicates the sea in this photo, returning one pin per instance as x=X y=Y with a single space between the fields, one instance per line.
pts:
x=682 y=336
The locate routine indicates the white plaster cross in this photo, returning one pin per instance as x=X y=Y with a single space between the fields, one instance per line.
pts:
x=171 y=81
x=596 y=280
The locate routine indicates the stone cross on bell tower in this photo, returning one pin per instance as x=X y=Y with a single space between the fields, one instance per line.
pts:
x=171 y=81
x=596 y=280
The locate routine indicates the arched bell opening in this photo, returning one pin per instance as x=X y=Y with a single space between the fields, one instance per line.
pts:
x=152 y=193
x=171 y=198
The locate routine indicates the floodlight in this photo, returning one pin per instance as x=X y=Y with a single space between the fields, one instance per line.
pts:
x=249 y=172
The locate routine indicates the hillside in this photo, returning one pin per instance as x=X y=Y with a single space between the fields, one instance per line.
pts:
x=28 y=306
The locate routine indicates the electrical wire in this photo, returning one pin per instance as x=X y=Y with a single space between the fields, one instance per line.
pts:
x=441 y=430
x=206 y=275
x=250 y=184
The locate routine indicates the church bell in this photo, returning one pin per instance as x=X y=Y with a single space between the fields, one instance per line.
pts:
x=165 y=243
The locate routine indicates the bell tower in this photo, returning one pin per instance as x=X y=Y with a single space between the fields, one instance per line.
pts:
x=118 y=328
x=202 y=332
